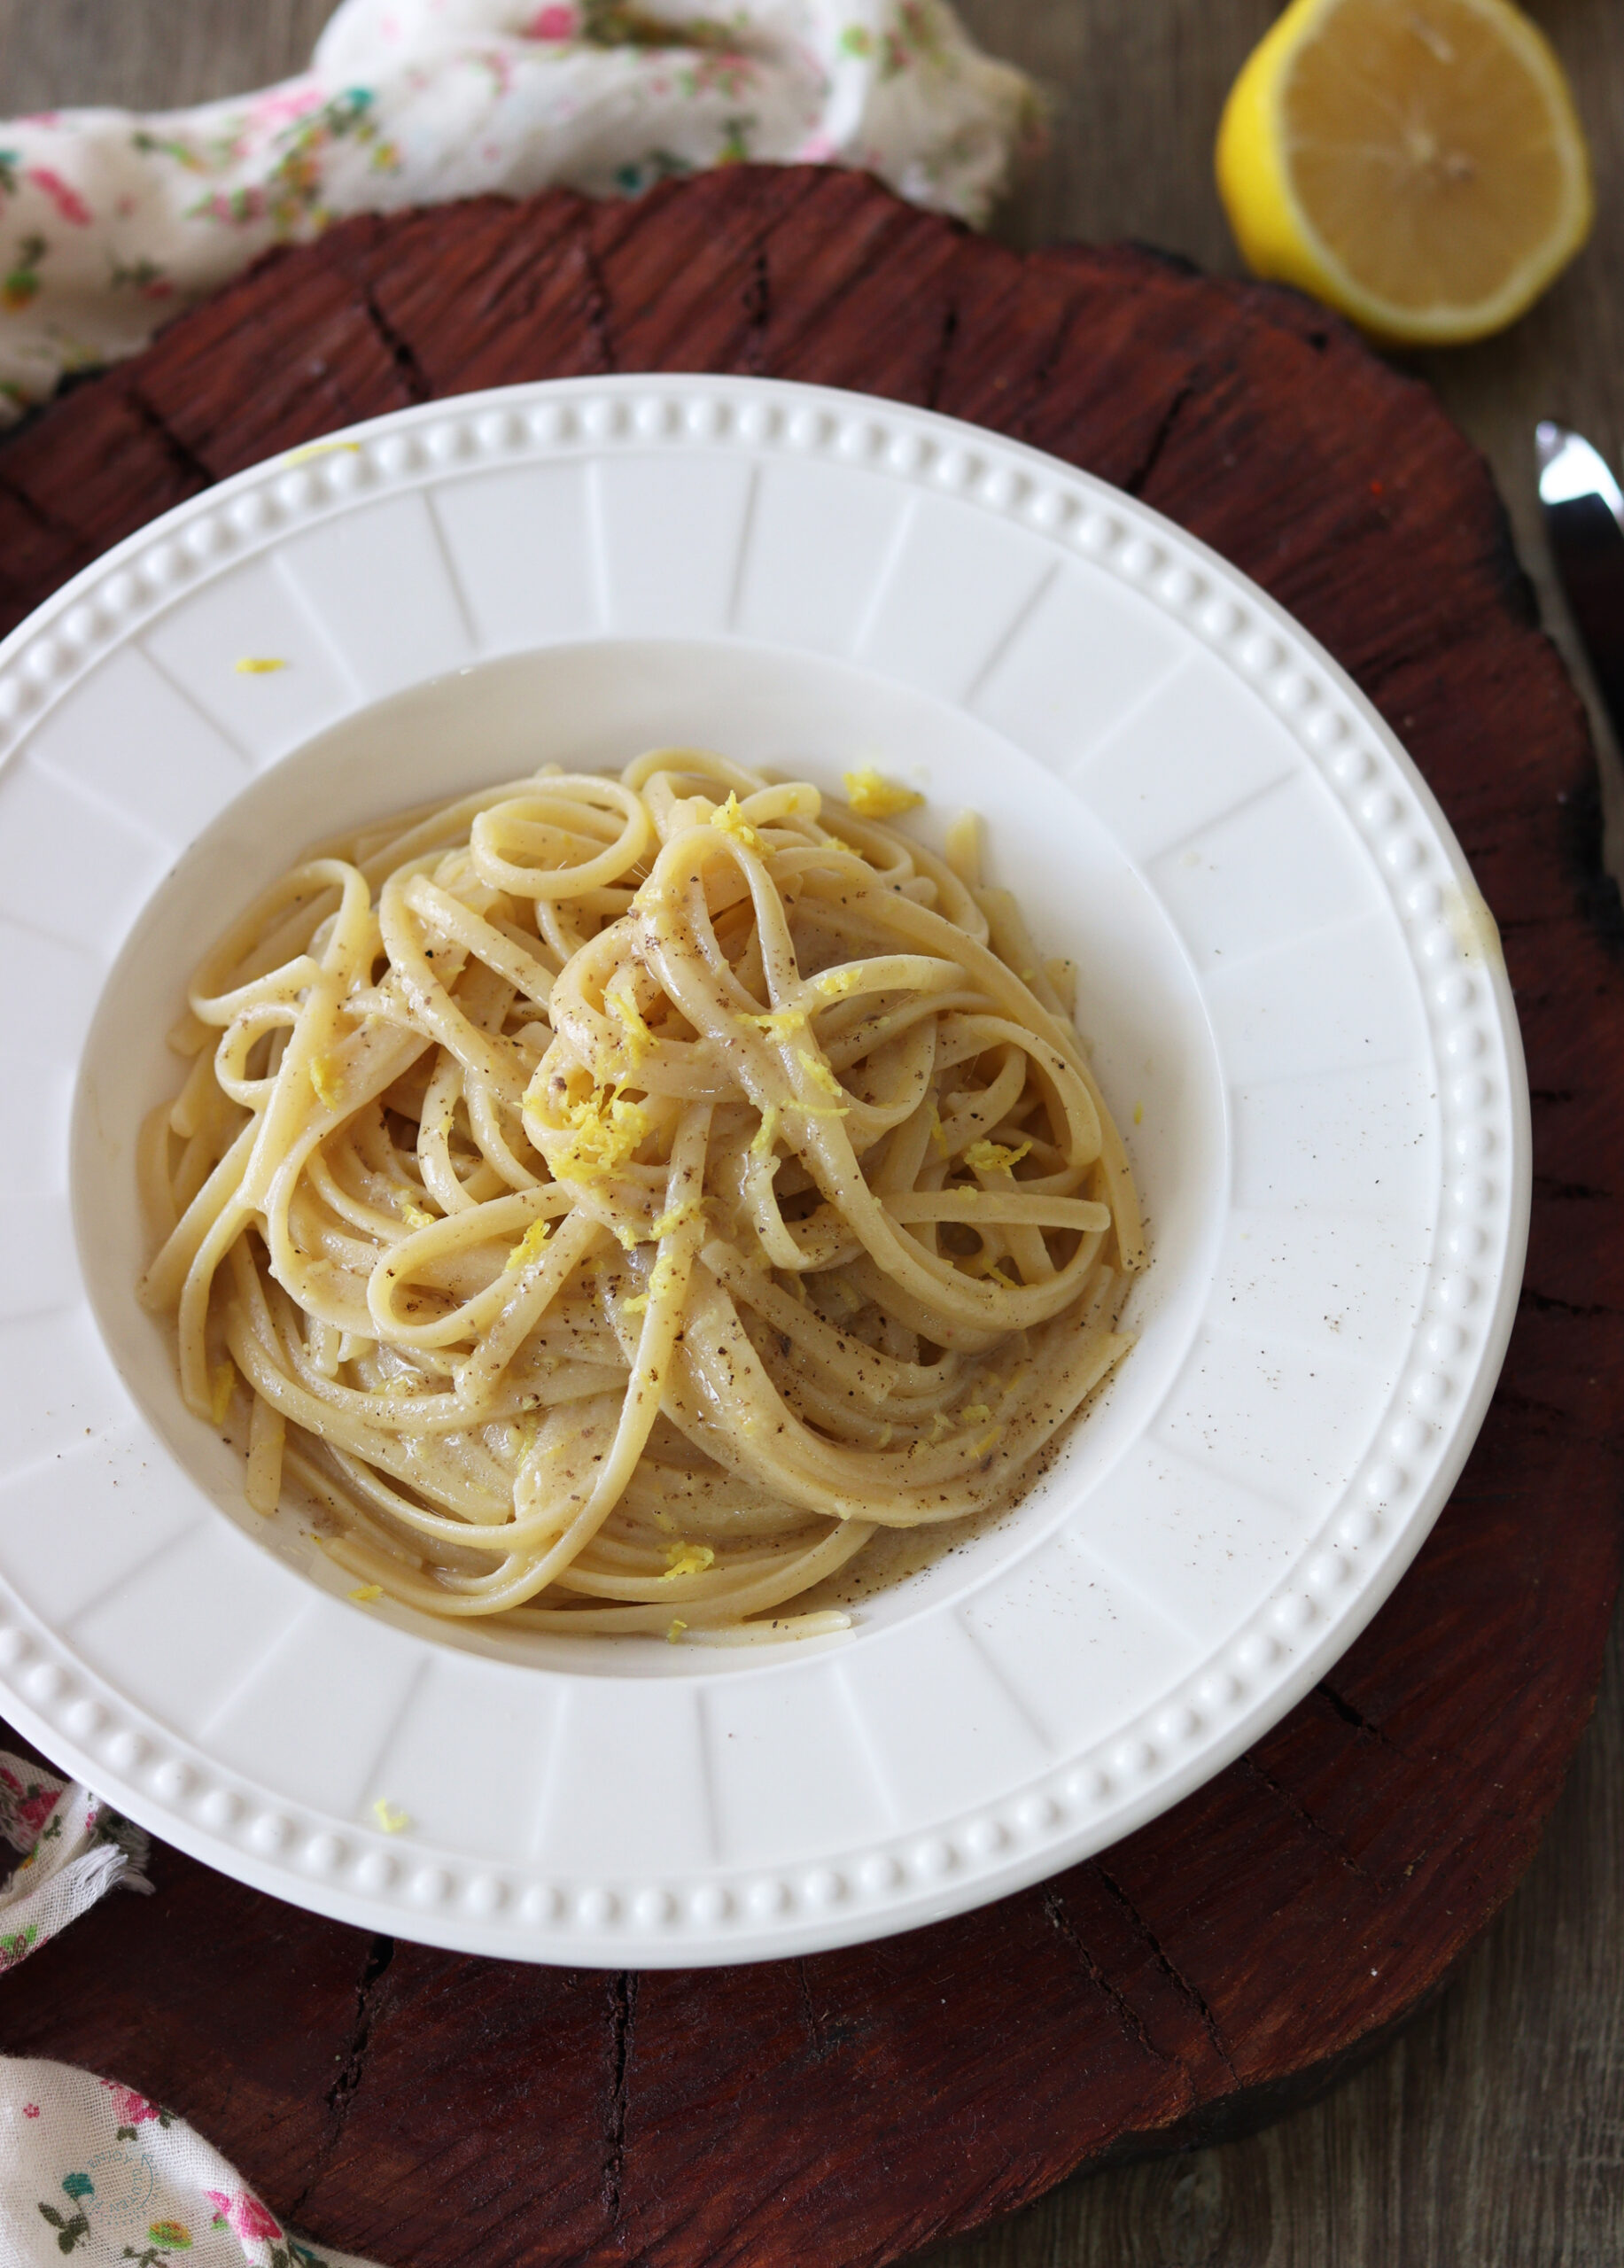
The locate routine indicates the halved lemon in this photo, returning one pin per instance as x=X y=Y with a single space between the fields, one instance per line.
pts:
x=1416 y=164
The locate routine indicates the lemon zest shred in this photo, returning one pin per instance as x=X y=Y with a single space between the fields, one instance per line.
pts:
x=994 y=1157
x=366 y=1593
x=259 y=665
x=528 y=1247
x=687 y=1559
x=778 y=1023
x=674 y=1216
x=1138 y=1113
x=390 y=1817
x=674 y=1629
x=872 y=795
x=766 y=1133
x=324 y=1080
x=819 y=1072
x=939 y=1133
x=321 y=450
x=599 y=1136
x=835 y=983
x=940 y=1423
x=987 y=1441
x=978 y=1414
x=635 y=1305
x=729 y=819
x=636 y=1038
x=415 y=1217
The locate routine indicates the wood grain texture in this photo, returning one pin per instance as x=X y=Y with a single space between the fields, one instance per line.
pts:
x=1493 y=2129
x=1257 y=1941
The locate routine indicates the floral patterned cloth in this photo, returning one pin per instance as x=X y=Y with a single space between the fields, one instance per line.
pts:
x=75 y=1847
x=109 y=222
x=93 y=2171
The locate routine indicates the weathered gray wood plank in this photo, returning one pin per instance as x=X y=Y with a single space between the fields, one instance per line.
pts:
x=1493 y=2132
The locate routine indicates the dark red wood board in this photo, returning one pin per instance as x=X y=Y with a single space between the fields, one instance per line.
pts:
x=1237 y=1953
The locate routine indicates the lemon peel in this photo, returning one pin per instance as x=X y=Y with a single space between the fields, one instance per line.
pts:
x=819 y=1072
x=731 y=821
x=636 y=1039
x=994 y=1157
x=778 y=1023
x=872 y=795
x=528 y=1247
x=674 y=1216
x=324 y=1081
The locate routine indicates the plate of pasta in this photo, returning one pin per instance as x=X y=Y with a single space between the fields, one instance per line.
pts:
x=770 y=1163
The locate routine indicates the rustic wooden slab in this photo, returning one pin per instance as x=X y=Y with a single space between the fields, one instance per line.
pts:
x=1235 y=1955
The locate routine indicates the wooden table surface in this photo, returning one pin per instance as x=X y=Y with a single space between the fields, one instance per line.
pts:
x=1492 y=2133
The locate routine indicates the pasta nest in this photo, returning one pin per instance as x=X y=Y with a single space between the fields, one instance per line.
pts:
x=612 y=1200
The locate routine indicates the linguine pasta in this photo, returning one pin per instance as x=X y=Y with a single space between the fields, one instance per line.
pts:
x=618 y=1198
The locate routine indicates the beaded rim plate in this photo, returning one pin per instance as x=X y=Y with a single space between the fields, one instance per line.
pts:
x=1298 y=1010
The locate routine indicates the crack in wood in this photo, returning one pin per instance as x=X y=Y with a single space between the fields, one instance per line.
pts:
x=810 y=2022
x=623 y=1986
x=943 y=354
x=1304 y=1817
x=1049 y=361
x=400 y=349
x=598 y=304
x=1367 y=1729
x=758 y=313
x=1547 y=1304
x=181 y=453
x=1136 y=480
x=1127 y=2017
x=1175 y=1975
x=341 y=2095
x=1556 y=1418
x=1355 y=1718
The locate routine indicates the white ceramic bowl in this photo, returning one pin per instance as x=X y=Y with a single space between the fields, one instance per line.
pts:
x=1298 y=1011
